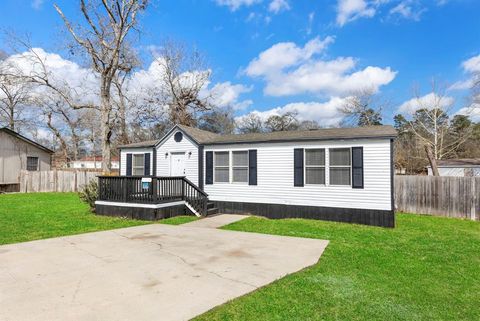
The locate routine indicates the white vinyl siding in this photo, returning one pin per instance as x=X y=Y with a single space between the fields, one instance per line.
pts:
x=240 y=166
x=134 y=151
x=340 y=166
x=275 y=177
x=315 y=166
x=169 y=146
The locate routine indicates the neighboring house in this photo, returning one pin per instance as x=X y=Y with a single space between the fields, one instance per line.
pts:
x=464 y=167
x=340 y=174
x=20 y=153
x=93 y=162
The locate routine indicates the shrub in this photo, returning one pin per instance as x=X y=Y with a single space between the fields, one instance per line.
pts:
x=89 y=194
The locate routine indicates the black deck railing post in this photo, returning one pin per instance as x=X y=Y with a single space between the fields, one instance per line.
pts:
x=183 y=189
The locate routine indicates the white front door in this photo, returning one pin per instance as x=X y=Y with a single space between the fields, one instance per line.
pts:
x=177 y=164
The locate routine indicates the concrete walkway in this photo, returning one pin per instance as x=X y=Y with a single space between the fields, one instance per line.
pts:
x=216 y=221
x=151 y=272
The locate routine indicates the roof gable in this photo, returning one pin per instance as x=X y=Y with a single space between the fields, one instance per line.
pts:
x=25 y=139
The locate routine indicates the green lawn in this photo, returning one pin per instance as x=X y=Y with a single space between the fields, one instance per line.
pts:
x=425 y=269
x=177 y=220
x=27 y=217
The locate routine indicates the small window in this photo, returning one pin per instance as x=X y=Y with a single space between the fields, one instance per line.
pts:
x=240 y=166
x=315 y=166
x=222 y=167
x=138 y=166
x=340 y=166
x=32 y=163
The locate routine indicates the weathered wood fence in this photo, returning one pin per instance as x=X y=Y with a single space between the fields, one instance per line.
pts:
x=55 y=181
x=441 y=196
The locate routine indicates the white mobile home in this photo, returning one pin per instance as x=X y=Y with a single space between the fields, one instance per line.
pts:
x=341 y=174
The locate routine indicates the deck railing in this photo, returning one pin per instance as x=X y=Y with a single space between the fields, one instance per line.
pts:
x=151 y=190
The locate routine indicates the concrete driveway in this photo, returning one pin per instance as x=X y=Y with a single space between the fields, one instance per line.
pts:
x=152 y=272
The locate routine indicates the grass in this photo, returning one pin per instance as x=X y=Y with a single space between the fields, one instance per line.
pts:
x=27 y=217
x=427 y=268
x=177 y=220
x=34 y=216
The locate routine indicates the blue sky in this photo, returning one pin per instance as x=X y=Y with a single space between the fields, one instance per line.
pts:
x=394 y=44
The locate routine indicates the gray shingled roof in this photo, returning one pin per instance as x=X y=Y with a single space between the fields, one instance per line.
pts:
x=208 y=138
x=318 y=134
x=25 y=139
x=148 y=143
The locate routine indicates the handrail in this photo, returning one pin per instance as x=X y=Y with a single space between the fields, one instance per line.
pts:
x=161 y=189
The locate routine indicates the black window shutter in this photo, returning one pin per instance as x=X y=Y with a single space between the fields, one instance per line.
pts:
x=129 y=164
x=147 y=164
x=252 y=167
x=357 y=167
x=209 y=168
x=298 y=167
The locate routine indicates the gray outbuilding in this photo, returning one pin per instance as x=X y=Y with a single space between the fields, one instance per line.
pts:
x=18 y=153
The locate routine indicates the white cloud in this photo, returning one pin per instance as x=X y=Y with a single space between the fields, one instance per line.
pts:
x=472 y=111
x=285 y=54
x=277 y=6
x=61 y=72
x=290 y=70
x=327 y=113
x=428 y=101
x=37 y=4
x=311 y=18
x=349 y=10
x=226 y=94
x=408 y=9
x=472 y=65
x=234 y=5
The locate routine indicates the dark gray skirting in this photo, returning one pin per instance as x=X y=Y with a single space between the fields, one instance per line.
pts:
x=140 y=213
x=279 y=211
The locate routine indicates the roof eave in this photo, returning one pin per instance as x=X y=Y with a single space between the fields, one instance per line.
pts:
x=299 y=140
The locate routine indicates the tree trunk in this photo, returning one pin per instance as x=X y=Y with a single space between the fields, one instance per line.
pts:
x=11 y=117
x=432 y=160
x=123 y=121
x=106 y=130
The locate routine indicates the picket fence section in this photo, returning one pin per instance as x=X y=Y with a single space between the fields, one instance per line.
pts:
x=441 y=196
x=55 y=180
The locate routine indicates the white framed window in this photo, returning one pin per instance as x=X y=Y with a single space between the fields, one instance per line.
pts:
x=222 y=167
x=240 y=166
x=315 y=166
x=138 y=164
x=340 y=166
x=32 y=163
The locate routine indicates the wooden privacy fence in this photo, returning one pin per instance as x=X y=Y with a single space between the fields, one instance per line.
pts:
x=55 y=181
x=442 y=196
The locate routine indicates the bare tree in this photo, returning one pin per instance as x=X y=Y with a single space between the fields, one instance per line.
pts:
x=14 y=96
x=104 y=40
x=363 y=108
x=430 y=125
x=184 y=79
x=220 y=121
x=284 y=122
x=251 y=123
